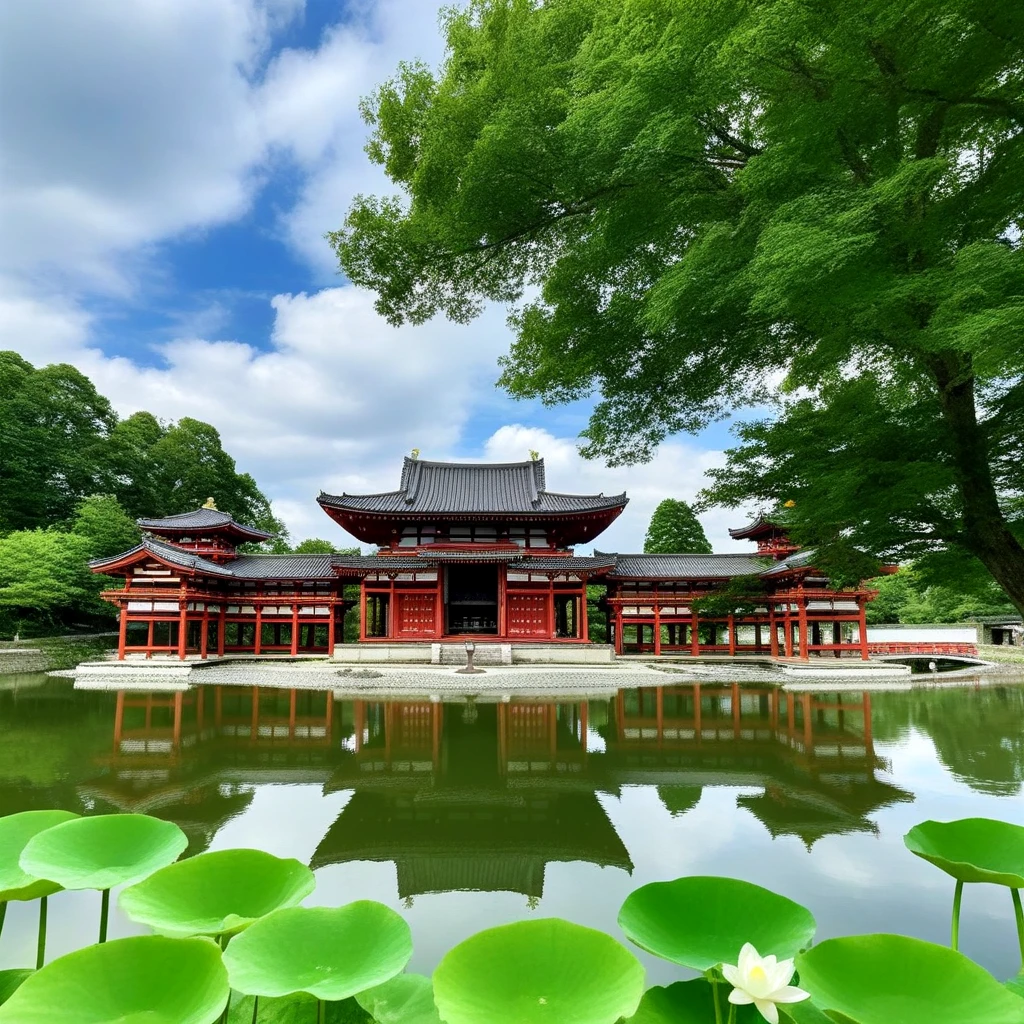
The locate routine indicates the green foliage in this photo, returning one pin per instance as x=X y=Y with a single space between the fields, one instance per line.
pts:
x=702 y=922
x=685 y=1002
x=102 y=851
x=740 y=594
x=536 y=972
x=709 y=199
x=102 y=521
x=332 y=953
x=10 y=982
x=15 y=831
x=405 y=999
x=316 y=546
x=217 y=893
x=43 y=573
x=907 y=596
x=53 y=429
x=675 y=529
x=972 y=849
x=146 y=978
x=880 y=979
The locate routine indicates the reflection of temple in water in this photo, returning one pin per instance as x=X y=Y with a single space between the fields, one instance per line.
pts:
x=480 y=796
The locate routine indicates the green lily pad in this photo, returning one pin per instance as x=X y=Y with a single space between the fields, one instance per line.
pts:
x=882 y=979
x=1016 y=984
x=330 y=952
x=538 y=971
x=405 y=999
x=972 y=849
x=217 y=893
x=15 y=831
x=703 y=921
x=688 y=1002
x=10 y=982
x=103 y=851
x=147 y=979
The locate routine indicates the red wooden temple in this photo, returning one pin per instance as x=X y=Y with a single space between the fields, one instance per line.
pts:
x=466 y=551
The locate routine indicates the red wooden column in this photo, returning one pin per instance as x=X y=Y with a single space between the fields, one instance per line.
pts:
x=584 y=615
x=295 y=628
x=657 y=641
x=118 y=719
x=808 y=715
x=801 y=612
x=868 y=741
x=789 y=630
x=122 y=632
x=178 y=701
x=204 y=636
x=333 y=609
x=222 y=617
x=731 y=626
x=439 y=604
x=502 y=600
x=863 y=624
x=618 y=629
x=362 y=611
x=694 y=638
x=257 y=638
x=149 y=639
x=773 y=640
x=182 y=629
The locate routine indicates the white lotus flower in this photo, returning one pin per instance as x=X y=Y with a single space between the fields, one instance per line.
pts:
x=763 y=981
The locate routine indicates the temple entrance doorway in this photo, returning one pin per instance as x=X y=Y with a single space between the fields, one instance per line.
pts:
x=471 y=599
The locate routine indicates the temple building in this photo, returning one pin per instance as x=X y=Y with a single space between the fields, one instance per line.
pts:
x=468 y=551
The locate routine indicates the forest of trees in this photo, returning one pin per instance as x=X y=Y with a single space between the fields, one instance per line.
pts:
x=74 y=477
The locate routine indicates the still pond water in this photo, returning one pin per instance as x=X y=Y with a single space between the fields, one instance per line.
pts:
x=466 y=815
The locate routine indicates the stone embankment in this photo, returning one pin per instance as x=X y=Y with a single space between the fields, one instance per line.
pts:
x=42 y=654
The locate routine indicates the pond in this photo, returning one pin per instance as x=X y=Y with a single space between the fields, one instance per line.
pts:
x=472 y=813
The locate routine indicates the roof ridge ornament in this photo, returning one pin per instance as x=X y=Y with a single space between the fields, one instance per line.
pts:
x=211 y=504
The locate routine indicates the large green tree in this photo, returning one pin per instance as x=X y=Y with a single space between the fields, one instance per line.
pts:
x=696 y=203
x=53 y=429
x=674 y=528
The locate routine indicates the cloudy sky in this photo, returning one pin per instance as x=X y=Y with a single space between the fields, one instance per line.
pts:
x=167 y=172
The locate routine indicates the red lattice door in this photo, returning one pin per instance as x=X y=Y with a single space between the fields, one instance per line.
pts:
x=528 y=615
x=416 y=614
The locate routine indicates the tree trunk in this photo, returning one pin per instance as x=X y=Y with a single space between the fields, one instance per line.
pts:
x=985 y=531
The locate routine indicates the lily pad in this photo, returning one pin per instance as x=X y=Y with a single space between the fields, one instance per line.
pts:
x=330 y=952
x=102 y=851
x=538 y=971
x=882 y=979
x=147 y=978
x=10 y=982
x=688 y=1002
x=972 y=849
x=217 y=893
x=15 y=831
x=703 y=921
x=405 y=999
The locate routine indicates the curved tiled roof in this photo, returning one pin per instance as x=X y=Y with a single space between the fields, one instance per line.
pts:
x=758 y=526
x=166 y=553
x=202 y=519
x=697 y=566
x=456 y=488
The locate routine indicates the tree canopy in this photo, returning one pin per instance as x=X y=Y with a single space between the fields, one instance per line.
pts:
x=675 y=529
x=698 y=207
x=61 y=442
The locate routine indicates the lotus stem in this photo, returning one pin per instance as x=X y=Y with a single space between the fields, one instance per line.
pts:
x=3 y=914
x=41 y=944
x=223 y=1019
x=732 y=1013
x=955 y=929
x=255 y=1008
x=1019 y=914
x=321 y=1011
x=104 y=914
x=713 y=978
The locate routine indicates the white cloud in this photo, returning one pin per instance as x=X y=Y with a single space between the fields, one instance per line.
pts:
x=139 y=123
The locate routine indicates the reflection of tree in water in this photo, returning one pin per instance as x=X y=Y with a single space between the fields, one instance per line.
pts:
x=978 y=733
x=679 y=799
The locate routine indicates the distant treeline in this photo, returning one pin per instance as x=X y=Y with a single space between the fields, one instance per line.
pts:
x=74 y=477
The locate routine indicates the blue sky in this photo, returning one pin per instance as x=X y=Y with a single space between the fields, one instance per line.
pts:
x=168 y=170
